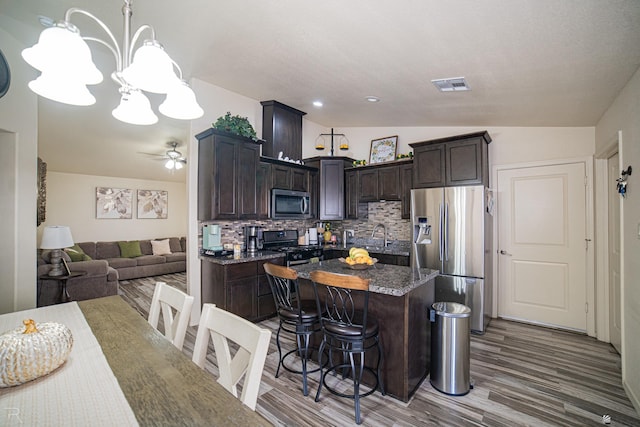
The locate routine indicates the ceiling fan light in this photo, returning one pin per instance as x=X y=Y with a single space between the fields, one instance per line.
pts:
x=170 y=164
x=60 y=49
x=178 y=165
x=62 y=89
x=181 y=103
x=151 y=69
x=134 y=108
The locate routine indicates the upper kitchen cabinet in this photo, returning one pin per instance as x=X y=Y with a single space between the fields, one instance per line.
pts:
x=452 y=161
x=330 y=185
x=228 y=167
x=282 y=130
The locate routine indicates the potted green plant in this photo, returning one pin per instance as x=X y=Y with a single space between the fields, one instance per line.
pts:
x=235 y=124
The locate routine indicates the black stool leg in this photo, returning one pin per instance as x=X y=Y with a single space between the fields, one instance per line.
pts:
x=380 y=357
x=303 y=358
x=279 y=350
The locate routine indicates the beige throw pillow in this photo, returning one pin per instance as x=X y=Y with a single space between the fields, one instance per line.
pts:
x=160 y=247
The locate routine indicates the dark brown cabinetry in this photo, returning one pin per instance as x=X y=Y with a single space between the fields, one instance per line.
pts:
x=452 y=161
x=351 y=193
x=240 y=288
x=406 y=183
x=227 y=179
x=376 y=183
x=263 y=189
x=331 y=185
x=282 y=130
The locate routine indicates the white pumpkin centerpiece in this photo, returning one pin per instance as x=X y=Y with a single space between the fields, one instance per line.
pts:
x=33 y=351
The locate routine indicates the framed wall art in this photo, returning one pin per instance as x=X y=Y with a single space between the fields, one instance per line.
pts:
x=114 y=203
x=153 y=204
x=383 y=149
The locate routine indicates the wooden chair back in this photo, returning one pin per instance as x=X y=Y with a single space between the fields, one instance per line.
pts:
x=167 y=300
x=248 y=361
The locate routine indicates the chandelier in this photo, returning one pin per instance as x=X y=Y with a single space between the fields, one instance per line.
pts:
x=64 y=60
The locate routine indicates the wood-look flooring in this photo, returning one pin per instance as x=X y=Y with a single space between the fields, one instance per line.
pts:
x=524 y=375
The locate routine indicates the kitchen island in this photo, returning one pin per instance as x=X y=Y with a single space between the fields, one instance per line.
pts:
x=400 y=299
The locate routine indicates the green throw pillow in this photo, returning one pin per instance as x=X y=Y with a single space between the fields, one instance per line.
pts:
x=76 y=253
x=130 y=249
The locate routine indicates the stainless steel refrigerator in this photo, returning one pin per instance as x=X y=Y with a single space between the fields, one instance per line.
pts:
x=452 y=233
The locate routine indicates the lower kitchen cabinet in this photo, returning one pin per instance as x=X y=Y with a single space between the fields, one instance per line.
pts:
x=241 y=288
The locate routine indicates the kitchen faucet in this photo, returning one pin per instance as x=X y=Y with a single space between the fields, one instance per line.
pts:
x=384 y=229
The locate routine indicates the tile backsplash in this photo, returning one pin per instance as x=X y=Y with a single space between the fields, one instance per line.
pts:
x=387 y=213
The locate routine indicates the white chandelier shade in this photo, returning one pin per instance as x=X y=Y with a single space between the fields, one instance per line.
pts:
x=64 y=59
x=181 y=103
x=62 y=89
x=135 y=109
x=151 y=69
x=61 y=49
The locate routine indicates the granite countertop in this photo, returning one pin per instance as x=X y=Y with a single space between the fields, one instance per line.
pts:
x=384 y=278
x=244 y=257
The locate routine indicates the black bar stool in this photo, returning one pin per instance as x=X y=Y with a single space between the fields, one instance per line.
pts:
x=348 y=330
x=296 y=317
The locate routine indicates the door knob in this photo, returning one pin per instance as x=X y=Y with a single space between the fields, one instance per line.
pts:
x=505 y=253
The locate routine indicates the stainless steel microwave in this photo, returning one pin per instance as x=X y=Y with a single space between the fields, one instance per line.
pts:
x=287 y=204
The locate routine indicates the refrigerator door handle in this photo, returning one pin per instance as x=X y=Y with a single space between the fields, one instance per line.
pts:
x=440 y=237
x=446 y=232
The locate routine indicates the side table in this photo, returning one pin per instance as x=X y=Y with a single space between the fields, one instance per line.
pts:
x=62 y=281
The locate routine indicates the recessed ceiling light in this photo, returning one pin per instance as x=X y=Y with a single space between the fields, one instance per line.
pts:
x=317 y=103
x=454 y=84
x=372 y=98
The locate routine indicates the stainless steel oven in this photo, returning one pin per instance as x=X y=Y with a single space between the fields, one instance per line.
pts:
x=286 y=241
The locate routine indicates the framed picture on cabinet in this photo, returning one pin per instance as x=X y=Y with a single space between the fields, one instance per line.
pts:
x=383 y=149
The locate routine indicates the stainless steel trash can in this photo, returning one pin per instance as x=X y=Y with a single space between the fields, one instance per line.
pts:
x=450 y=347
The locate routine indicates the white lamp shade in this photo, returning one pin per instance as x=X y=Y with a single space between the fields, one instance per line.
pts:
x=62 y=89
x=181 y=103
x=63 y=51
x=56 y=237
x=170 y=164
x=151 y=69
x=135 y=109
x=178 y=165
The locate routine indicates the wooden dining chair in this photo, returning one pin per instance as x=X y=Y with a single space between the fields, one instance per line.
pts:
x=167 y=299
x=248 y=360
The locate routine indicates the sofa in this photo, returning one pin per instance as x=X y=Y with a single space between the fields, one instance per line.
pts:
x=107 y=262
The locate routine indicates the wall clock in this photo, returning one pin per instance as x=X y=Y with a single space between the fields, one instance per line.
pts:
x=5 y=75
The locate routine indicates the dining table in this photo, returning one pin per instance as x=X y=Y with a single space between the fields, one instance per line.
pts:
x=120 y=372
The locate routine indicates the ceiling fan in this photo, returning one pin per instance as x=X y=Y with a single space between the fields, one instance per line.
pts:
x=174 y=158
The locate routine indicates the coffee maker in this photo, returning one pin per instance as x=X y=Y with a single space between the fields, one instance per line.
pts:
x=253 y=238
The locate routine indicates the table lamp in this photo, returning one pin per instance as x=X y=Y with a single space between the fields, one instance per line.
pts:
x=56 y=237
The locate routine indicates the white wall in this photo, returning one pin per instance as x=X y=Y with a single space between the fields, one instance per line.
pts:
x=624 y=115
x=71 y=200
x=509 y=144
x=18 y=187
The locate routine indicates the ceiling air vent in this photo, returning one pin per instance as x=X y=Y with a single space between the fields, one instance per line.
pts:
x=454 y=84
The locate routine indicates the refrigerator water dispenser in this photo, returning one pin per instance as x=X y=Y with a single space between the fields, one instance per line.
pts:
x=422 y=231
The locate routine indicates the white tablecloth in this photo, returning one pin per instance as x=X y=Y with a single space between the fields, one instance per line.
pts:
x=82 y=392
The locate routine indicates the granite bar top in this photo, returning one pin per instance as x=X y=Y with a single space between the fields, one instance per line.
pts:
x=384 y=278
x=244 y=257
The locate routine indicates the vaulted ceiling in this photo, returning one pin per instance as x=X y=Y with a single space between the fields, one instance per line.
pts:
x=527 y=62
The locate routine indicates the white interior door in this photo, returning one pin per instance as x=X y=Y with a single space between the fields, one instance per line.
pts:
x=615 y=312
x=541 y=245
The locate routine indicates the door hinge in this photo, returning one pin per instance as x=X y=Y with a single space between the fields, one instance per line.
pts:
x=586 y=307
x=586 y=243
x=586 y=181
